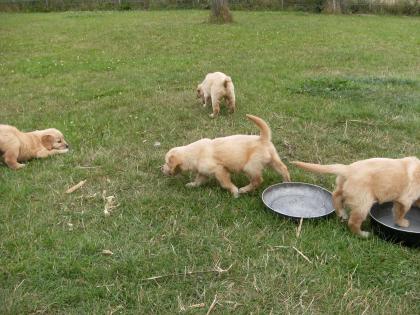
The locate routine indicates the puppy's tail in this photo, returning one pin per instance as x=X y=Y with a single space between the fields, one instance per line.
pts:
x=226 y=82
x=265 y=131
x=337 y=169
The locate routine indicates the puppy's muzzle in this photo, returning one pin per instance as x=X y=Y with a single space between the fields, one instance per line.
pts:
x=165 y=170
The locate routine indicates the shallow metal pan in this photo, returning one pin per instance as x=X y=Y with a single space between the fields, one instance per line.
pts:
x=382 y=221
x=298 y=200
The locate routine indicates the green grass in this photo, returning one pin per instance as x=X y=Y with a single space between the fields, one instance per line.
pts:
x=332 y=88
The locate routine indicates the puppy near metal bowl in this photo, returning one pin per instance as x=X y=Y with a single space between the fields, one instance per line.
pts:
x=382 y=220
x=298 y=200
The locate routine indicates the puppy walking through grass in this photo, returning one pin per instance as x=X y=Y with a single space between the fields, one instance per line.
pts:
x=365 y=182
x=221 y=156
x=215 y=87
x=17 y=146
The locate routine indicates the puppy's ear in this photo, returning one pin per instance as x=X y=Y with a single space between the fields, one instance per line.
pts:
x=47 y=141
x=173 y=162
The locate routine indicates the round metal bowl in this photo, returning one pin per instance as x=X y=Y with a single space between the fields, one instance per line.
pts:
x=298 y=200
x=382 y=220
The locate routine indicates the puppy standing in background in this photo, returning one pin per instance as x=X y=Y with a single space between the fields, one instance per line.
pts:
x=17 y=146
x=214 y=88
x=361 y=184
x=221 y=156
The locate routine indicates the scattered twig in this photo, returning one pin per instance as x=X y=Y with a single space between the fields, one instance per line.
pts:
x=216 y=269
x=87 y=167
x=367 y=307
x=107 y=252
x=300 y=253
x=345 y=130
x=18 y=286
x=361 y=122
x=213 y=304
x=109 y=203
x=199 y=305
x=358 y=121
x=75 y=187
x=115 y=309
x=299 y=228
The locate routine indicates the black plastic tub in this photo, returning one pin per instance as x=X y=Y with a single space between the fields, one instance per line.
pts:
x=382 y=221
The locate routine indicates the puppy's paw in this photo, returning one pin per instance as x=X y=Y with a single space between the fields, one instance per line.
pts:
x=19 y=166
x=343 y=216
x=364 y=234
x=235 y=193
x=191 y=185
x=243 y=190
x=204 y=105
x=403 y=223
x=212 y=115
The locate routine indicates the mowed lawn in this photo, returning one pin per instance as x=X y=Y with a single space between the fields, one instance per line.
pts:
x=332 y=88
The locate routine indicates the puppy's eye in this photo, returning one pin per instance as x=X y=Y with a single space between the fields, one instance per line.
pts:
x=59 y=141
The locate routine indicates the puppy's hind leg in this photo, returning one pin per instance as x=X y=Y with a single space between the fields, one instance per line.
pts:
x=231 y=101
x=357 y=217
x=279 y=166
x=10 y=158
x=223 y=177
x=254 y=173
x=199 y=180
x=399 y=211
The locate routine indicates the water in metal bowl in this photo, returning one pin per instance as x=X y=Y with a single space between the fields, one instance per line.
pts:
x=298 y=200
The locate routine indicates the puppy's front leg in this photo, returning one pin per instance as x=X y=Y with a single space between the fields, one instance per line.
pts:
x=216 y=106
x=206 y=100
x=223 y=177
x=199 y=180
x=45 y=153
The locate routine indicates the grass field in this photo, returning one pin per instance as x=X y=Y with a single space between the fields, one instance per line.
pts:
x=332 y=88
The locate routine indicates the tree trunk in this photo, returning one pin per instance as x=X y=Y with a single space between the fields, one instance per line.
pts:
x=220 y=12
x=332 y=6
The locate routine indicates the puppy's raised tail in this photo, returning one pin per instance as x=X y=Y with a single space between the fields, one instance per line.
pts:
x=337 y=169
x=227 y=81
x=265 y=131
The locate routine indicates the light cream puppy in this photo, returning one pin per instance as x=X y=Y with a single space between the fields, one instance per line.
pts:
x=221 y=156
x=214 y=88
x=17 y=146
x=363 y=183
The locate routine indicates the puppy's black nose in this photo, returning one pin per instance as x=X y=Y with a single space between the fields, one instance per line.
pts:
x=67 y=146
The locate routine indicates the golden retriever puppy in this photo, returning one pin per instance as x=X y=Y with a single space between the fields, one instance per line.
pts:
x=221 y=156
x=17 y=146
x=363 y=183
x=214 y=88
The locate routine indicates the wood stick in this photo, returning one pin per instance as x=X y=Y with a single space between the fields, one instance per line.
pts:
x=299 y=228
x=75 y=187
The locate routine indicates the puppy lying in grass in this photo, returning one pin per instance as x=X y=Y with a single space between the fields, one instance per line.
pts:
x=17 y=146
x=221 y=156
x=213 y=89
x=363 y=183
